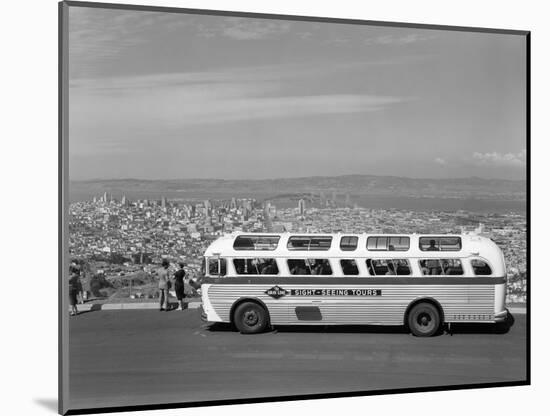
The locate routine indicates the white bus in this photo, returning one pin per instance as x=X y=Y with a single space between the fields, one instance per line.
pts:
x=255 y=280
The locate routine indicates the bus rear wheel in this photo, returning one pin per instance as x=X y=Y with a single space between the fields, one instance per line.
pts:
x=424 y=320
x=250 y=318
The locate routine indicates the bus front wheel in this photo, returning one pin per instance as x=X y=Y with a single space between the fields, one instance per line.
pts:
x=424 y=320
x=250 y=318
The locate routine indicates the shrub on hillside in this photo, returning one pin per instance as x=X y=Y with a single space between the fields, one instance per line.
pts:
x=97 y=283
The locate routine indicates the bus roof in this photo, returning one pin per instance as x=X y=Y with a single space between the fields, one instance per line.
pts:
x=470 y=244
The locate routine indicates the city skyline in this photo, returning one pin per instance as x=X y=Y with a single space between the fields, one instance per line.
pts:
x=161 y=95
x=124 y=236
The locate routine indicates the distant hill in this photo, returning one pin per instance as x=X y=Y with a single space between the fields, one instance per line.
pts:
x=355 y=185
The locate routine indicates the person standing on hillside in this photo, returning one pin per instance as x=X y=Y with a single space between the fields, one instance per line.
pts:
x=164 y=284
x=75 y=287
x=179 y=286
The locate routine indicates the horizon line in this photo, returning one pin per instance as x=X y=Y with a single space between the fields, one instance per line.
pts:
x=292 y=177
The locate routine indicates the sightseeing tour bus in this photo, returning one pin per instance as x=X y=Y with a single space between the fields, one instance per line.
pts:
x=255 y=280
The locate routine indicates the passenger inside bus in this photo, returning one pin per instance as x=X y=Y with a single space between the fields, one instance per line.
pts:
x=349 y=267
x=298 y=267
x=269 y=267
x=315 y=267
x=432 y=246
x=438 y=267
x=239 y=267
x=320 y=266
x=402 y=267
x=424 y=268
x=430 y=267
x=389 y=267
x=255 y=266
x=453 y=267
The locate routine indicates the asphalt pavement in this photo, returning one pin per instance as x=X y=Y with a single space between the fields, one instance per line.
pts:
x=140 y=357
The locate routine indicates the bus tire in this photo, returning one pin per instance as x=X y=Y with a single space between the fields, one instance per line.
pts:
x=250 y=318
x=424 y=320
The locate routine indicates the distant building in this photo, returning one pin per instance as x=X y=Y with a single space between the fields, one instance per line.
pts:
x=301 y=206
x=267 y=209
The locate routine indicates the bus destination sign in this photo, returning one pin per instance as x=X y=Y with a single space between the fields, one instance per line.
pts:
x=278 y=292
x=336 y=292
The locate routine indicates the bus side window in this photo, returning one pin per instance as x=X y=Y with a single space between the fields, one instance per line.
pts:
x=402 y=267
x=381 y=267
x=309 y=266
x=388 y=243
x=268 y=266
x=370 y=268
x=213 y=267
x=441 y=267
x=349 y=267
x=309 y=243
x=320 y=267
x=298 y=267
x=481 y=268
x=452 y=267
x=430 y=267
x=389 y=267
x=440 y=243
x=256 y=266
x=348 y=243
x=254 y=242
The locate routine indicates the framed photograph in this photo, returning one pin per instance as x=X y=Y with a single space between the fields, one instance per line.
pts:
x=265 y=208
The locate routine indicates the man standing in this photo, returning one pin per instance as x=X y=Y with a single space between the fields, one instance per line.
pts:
x=164 y=283
x=179 y=285
x=75 y=287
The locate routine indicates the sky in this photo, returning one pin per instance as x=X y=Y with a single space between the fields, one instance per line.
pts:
x=157 y=95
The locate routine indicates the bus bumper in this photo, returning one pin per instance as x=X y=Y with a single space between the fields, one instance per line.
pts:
x=204 y=318
x=501 y=316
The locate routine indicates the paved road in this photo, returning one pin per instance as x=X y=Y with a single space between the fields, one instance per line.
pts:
x=146 y=357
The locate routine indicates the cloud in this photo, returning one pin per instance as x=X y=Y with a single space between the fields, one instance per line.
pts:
x=97 y=36
x=398 y=39
x=338 y=40
x=304 y=35
x=264 y=74
x=500 y=159
x=251 y=108
x=440 y=161
x=244 y=28
x=122 y=108
x=103 y=124
x=208 y=103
